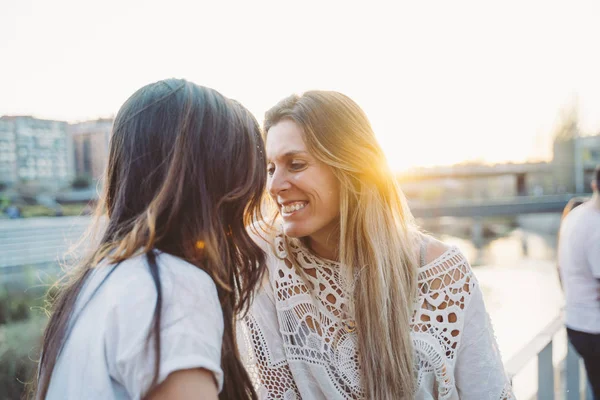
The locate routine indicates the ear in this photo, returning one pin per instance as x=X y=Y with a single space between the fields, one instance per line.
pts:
x=594 y=186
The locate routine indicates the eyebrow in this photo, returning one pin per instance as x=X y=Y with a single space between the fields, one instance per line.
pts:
x=292 y=153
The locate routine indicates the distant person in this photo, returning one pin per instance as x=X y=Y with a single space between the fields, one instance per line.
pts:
x=579 y=266
x=150 y=313
x=13 y=212
x=571 y=205
x=359 y=303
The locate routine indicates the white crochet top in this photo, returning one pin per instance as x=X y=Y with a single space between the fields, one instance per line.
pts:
x=302 y=346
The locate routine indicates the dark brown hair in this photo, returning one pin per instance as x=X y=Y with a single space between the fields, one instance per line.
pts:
x=185 y=175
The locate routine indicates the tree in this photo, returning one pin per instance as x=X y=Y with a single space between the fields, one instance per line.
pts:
x=567 y=127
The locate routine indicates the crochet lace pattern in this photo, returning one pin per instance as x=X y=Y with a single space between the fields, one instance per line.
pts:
x=299 y=341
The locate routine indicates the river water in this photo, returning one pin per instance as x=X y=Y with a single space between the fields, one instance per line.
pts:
x=518 y=276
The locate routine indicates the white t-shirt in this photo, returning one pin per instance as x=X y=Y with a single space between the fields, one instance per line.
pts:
x=106 y=355
x=579 y=262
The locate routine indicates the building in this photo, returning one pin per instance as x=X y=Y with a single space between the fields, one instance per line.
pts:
x=35 y=150
x=574 y=161
x=90 y=145
x=589 y=149
x=8 y=153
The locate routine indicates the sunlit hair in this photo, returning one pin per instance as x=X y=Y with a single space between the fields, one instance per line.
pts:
x=185 y=176
x=377 y=235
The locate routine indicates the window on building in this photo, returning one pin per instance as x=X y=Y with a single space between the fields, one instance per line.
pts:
x=87 y=157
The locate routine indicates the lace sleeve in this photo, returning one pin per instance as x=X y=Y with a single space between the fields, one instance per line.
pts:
x=480 y=373
x=262 y=352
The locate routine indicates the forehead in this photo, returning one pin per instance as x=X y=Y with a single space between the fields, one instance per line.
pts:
x=283 y=138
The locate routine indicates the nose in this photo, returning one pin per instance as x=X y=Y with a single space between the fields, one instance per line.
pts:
x=278 y=182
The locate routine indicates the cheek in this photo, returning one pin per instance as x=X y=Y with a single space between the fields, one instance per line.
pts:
x=333 y=193
x=330 y=203
x=297 y=178
x=334 y=203
x=305 y=182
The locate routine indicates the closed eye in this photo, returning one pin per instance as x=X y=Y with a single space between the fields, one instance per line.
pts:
x=297 y=166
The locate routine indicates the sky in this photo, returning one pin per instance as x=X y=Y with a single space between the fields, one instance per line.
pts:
x=442 y=82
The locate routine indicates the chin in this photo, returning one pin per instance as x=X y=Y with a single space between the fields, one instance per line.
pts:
x=294 y=230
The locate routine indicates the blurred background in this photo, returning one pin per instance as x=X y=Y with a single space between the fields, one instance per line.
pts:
x=489 y=113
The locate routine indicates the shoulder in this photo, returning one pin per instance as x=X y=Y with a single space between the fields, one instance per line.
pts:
x=191 y=321
x=434 y=249
x=446 y=267
x=180 y=272
x=189 y=303
x=581 y=212
x=581 y=221
x=135 y=271
x=182 y=283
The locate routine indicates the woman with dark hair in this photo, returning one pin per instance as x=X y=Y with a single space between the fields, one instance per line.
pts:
x=150 y=313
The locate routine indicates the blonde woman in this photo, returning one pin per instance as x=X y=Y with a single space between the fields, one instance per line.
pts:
x=358 y=303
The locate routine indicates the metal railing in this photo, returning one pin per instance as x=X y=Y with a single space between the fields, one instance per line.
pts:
x=541 y=347
x=38 y=240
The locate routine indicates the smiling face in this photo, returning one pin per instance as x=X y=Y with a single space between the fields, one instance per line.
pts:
x=305 y=189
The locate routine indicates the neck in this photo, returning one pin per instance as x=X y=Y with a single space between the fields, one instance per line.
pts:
x=324 y=245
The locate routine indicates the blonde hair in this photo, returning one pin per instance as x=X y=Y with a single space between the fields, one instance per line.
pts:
x=377 y=235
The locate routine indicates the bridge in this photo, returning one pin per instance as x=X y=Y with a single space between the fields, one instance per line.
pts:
x=480 y=209
x=492 y=207
x=519 y=171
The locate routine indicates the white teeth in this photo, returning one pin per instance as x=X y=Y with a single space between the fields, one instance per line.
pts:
x=290 y=208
